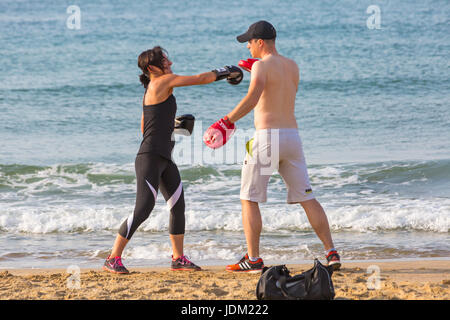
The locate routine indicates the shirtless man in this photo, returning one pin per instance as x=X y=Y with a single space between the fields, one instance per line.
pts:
x=272 y=91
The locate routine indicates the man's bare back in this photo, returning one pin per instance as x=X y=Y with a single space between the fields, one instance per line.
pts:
x=275 y=108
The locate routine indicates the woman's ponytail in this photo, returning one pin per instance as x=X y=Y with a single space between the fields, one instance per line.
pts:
x=144 y=80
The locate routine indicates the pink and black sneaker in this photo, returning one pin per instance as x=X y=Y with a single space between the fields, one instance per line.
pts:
x=183 y=264
x=115 y=265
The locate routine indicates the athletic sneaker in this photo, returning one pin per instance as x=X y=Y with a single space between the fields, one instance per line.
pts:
x=184 y=264
x=115 y=265
x=334 y=260
x=246 y=265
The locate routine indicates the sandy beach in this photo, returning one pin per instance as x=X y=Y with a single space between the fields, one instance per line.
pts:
x=409 y=280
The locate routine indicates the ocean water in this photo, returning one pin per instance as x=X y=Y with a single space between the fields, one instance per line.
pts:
x=372 y=107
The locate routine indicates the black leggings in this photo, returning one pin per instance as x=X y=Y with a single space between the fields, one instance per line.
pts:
x=153 y=171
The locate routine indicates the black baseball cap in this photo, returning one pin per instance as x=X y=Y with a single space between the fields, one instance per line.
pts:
x=259 y=30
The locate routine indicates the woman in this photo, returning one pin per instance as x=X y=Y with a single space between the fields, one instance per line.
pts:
x=154 y=166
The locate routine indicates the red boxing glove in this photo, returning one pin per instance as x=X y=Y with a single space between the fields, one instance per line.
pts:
x=247 y=64
x=219 y=133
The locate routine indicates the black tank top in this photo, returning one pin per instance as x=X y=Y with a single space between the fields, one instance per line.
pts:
x=158 y=125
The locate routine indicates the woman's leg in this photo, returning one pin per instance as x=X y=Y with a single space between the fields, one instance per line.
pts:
x=177 y=245
x=148 y=168
x=172 y=190
x=119 y=245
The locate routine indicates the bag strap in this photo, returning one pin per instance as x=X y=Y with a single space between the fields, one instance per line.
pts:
x=308 y=275
x=308 y=281
x=283 y=288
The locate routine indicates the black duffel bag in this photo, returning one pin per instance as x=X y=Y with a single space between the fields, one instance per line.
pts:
x=277 y=284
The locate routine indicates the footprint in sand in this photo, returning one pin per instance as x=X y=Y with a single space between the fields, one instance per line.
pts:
x=218 y=292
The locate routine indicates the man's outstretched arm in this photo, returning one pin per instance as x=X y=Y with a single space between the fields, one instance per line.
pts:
x=257 y=83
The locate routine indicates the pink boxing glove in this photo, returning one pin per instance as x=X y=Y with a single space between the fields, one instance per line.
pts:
x=219 y=133
x=247 y=64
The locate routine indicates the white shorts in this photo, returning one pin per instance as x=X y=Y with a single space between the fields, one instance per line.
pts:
x=270 y=150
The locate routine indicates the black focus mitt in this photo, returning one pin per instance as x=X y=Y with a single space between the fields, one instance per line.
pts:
x=184 y=124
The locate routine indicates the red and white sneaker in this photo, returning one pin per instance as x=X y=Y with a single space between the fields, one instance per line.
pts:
x=334 y=260
x=246 y=265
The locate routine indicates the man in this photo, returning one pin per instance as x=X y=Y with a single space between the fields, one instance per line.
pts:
x=273 y=87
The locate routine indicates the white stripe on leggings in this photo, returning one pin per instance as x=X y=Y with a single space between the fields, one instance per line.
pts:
x=174 y=198
x=130 y=217
x=153 y=190
x=129 y=223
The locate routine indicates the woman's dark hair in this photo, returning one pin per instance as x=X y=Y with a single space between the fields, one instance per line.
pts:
x=153 y=57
